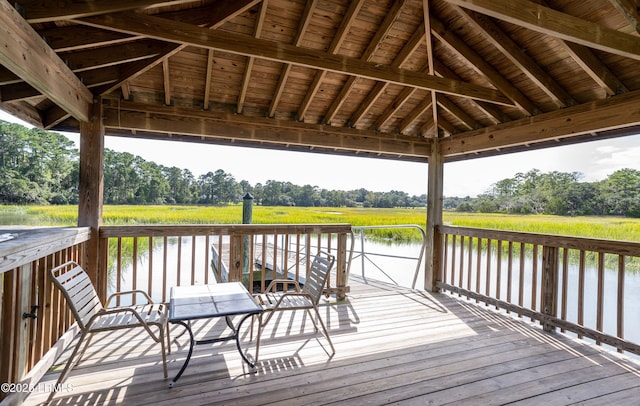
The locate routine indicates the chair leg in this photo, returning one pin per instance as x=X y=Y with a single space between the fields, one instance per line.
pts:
x=315 y=324
x=163 y=349
x=69 y=364
x=324 y=329
x=260 y=328
x=168 y=334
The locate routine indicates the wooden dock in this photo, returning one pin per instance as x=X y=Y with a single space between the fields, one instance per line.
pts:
x=393 y=345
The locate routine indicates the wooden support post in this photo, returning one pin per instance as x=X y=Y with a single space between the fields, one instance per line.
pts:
x=433 y=254
x=236 y=258
x=549 y=296
x=341 y=268
x=91 y=184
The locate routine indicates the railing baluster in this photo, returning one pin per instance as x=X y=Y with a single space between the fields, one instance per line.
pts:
x=620 y=301
x=469 y=264
x=499 y=271
x=487 y=287
x=150 y=268
x=509 y=272
x=478 y=266
x=521 y=281
x=600 y=299
x=119 y=269
x=461 y=270
x=581 y=276
x=534 y=278
x=554 y=291
x=207 y=250
x=454 y=240
x=565 y=283
x=134 y=268
x=179 y=263
x=193 y=259
x=445 y=259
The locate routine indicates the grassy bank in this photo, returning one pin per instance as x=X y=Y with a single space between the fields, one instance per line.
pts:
x=613 y=228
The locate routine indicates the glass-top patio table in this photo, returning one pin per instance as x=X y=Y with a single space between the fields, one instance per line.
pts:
x=208 y=301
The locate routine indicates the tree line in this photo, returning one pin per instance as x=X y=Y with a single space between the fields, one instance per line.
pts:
x=41 y=167
x=558 y=193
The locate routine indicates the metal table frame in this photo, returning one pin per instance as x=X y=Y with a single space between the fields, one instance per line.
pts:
x=197 y=302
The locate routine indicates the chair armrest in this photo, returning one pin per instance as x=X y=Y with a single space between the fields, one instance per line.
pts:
x=116 y=310
x=131 y=293
x=290 y=294
x=289 y=281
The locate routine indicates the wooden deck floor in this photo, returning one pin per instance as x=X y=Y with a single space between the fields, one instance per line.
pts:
x=393 y=345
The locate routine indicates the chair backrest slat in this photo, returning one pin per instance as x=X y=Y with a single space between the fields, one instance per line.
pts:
x=317 y=277
x=76 y=286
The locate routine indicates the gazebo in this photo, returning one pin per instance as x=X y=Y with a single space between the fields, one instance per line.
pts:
x=431 y=81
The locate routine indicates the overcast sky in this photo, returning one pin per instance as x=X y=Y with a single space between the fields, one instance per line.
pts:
x=595 y=160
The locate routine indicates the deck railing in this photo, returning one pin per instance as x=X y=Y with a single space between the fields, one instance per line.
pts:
x=579 y=285
x=154 y=258
x=382 y=264
x=33 y=315
x=32 y=338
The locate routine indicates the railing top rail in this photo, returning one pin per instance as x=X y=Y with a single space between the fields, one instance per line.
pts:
x=31 y=243
x=224 y=229
x=417 y=227
x=628 y=248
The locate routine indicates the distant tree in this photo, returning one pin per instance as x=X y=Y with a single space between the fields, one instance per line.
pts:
x=182 y=188
x=35 y=165
x=621 y=191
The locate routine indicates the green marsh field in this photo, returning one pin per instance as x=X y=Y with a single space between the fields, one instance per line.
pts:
x=605 y=227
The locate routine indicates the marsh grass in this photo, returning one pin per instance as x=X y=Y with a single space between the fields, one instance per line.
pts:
x=605 y=227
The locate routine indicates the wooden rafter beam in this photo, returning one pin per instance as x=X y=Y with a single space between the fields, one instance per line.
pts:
x=307 y=14
x=23 y=111
x=85 y=63
x=423 y=107
x=224 y=10
x=612 y=113
x=435 y=116
x=453 y=109
x=481 y=65
x=64 y=39
x=630 y=10
x=494 y=34
x=368 y=53
x=557 y=24
x=166 y=81
x=417 y=39
x=491 y=110
x=334 y=47
x=391 y=109
x=174 y=121
x=207 y=80
x=38 y=11
x=594 y=67
x=26 y=54
x=250 y=60
x=186 y=34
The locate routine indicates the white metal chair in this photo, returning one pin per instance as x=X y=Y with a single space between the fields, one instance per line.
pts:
x=92 y=317
x=305 y=298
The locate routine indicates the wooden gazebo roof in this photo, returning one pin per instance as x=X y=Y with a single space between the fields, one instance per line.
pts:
x=364 y=77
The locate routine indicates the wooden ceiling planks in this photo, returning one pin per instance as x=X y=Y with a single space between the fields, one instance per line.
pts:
x=358 y=66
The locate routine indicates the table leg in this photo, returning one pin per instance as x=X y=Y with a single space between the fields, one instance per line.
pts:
x=237 y=334
x=192 y=343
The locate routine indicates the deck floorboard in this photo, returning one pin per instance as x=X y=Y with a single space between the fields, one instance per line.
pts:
x=393 y=346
